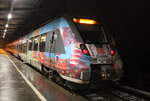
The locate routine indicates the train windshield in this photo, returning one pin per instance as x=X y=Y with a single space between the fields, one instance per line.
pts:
x=92 y=34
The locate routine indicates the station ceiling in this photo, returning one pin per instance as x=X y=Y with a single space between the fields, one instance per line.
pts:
x=28 y=15
x=128 y=20
x=20 y=10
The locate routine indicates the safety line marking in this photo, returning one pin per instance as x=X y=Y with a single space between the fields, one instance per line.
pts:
x=41 y=97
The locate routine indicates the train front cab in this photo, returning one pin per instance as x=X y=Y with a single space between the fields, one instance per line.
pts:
x=94 y=56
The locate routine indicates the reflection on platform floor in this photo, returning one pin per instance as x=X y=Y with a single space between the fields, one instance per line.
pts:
x=2 y=51
x=50 y=90
x=12 y=85
x=14 y=88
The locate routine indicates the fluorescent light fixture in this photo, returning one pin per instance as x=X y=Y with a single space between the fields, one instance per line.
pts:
x=5 y=30
x=4 y=35
x=9 y=16
x=6 y=25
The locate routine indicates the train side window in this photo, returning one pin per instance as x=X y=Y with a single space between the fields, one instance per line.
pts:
x=36 y=40
x=30 y=44
x=54 y=42
x=49 y=41
x=42 y=43
x=24 y=46
x=16 y=47
x=21 y=47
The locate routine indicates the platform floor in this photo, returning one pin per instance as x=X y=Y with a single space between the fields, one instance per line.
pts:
x=12 y=85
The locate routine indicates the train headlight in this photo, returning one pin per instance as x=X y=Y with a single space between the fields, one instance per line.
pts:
x=84 y=21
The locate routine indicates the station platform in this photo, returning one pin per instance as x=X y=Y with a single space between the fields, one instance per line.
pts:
x=21 y=82
x=12 y=85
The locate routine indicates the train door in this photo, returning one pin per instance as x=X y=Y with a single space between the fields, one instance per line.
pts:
x=42 y=48
x=29 y=50
x=24 y=50
x=50 y=44
x=35 y=54
x=35 y=48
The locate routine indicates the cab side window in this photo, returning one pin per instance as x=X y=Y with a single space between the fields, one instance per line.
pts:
x=55 y=42
x=59 y=46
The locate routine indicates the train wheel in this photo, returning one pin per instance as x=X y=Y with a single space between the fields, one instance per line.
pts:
x=45 y=71
x=72 y=86
x=50 y=74
x=59 y=80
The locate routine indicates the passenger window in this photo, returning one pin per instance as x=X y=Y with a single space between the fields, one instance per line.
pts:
x=30 y=44
x=21 y=48
x=36 y=40
x=42 y=43
x=17 y=46
x=24 y=47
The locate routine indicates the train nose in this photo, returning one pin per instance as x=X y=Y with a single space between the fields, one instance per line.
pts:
x=100 y=53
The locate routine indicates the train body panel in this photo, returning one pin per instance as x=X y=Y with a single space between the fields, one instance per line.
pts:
x=70 y=49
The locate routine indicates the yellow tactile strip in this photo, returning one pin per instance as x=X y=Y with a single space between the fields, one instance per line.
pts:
x=2 y=51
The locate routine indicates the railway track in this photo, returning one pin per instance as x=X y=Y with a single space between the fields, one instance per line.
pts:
x=126 y=96
x=120 y=93
x=110 y=94
x=114 y=93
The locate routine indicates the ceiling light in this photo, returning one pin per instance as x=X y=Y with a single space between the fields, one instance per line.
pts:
x=5 y=30
x=4 y=35
x=9 y=16
x=6 y=25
